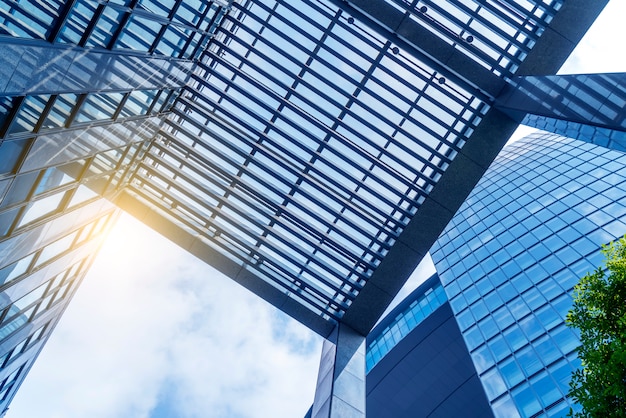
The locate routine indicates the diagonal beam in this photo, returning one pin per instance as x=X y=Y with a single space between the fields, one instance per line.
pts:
x=565 y=31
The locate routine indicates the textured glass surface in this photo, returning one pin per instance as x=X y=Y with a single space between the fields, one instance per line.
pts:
x=510 y=257
x=41 y=269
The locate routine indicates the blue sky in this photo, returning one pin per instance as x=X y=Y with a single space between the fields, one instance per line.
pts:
x=160 y=334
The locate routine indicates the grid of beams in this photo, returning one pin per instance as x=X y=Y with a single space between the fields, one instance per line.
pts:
x=497 y=34
x=306 y=142
x=305 y=146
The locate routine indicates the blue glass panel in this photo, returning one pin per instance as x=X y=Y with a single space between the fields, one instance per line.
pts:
x=526 y=401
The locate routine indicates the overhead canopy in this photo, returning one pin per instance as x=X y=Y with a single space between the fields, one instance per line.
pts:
x=320 y=148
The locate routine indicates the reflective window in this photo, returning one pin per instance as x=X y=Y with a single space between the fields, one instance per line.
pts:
x=15 y=269
x=548 y=192
x=99 y=106
x=40 y=208
x=11 y=153
x=425 y=304
x=30 y=111
x=56 y=248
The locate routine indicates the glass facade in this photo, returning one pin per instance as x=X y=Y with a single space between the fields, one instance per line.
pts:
x=509 y=259
x=430 y=297
x=52 y=225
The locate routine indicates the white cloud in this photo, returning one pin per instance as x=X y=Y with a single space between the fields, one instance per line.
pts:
x=162 y=329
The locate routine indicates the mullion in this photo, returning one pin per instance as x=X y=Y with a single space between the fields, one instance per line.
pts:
x=61 y=21
x=272 y=205
x=307 y=292
x=464 y=98
x=15 y=5
x=591 y=92
x=518 y=24
x=91 y=25
x=365 y=216
x=329 y=210
x=322 y=175
x=122 y=24
x=286 y=38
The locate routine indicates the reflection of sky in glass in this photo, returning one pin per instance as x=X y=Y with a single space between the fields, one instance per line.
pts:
x=40 y=208
x=510 y=257
x=405 y=322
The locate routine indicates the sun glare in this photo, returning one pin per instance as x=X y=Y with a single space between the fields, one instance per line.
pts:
x=127 y=240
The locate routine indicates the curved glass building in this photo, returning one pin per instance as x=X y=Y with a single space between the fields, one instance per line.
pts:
x=509 y=258
x=418 y=364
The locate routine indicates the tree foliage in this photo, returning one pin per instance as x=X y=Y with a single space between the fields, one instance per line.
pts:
x=599 y=312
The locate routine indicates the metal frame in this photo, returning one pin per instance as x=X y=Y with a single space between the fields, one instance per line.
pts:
x=277 y=106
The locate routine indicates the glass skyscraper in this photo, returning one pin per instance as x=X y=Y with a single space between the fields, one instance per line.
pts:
x=311 y=150
x=84 y=86
x=507 y=262
x=509 y=259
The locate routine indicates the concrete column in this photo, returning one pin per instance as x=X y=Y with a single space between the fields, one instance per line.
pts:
x=340 y=391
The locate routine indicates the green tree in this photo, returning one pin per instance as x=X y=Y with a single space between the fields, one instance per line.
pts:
x=599 y=312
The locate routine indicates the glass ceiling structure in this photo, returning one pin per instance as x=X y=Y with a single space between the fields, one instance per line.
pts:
x=300 y=154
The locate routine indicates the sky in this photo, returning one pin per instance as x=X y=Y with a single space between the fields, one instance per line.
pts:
x=154 y=332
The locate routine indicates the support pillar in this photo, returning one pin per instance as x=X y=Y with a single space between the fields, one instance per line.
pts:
x=340 y=391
